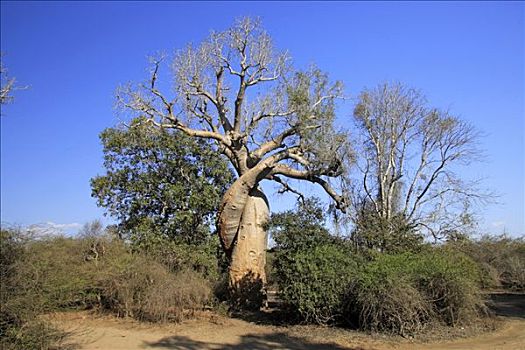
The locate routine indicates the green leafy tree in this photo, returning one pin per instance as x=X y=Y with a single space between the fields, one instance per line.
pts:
x=373 y=232
x=160 y=183
x=301 y=228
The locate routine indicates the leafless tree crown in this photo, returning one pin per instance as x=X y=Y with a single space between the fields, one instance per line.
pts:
x=408 y=157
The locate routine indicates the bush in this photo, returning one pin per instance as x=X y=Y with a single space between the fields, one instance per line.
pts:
x=54 y=273
x=373 y=233
x=146 y=290
x=311 y=268
x=313 y=281
x=20 y=305
x=383 y=297
x=299 y=229
x=34 y=334
x=450 y=282
x=164 y=283
x=324 y=279
x=500 y=258
x=202 y=258
x=404 y=293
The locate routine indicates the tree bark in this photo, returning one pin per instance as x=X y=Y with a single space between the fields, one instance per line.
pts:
x=247 y=276
x=249 y=250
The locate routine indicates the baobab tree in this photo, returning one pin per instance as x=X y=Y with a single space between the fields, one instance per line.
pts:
x=272 y=122
x=407 y=163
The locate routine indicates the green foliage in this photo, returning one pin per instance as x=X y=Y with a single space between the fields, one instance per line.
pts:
x=270 y=269
x=382 y=298
x=375 y=233
x=161 y=182
x=313 y=281
x=311 y=268
x=300 y=228
x=404 y=293
x=451 y=282
x=323 y=279
x=323 y=146
x=56 y=271
x=206 y=258
x=501 y=260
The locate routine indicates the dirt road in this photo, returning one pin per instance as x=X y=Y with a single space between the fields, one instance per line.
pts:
x=221 y=333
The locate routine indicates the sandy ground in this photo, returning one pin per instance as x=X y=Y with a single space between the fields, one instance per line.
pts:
x=210 y=331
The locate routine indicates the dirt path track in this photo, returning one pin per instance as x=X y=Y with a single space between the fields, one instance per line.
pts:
x=212 y=332
x=107 y=333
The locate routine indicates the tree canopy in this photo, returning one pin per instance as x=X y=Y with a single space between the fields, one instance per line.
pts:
x=160 y=180
x=272 y=121
x=301 y=228
x=407 y=179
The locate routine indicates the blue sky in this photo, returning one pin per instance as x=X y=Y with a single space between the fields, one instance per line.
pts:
x=468 y=57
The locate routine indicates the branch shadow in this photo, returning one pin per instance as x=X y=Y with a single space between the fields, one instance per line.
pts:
x=508 y=304
x=267 y=317
x=249 y=341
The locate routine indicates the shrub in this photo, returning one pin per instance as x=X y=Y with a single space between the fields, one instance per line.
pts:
x=20 y=304
x=383 y=298
x=146 y=290
x=311 y=268
x=513 y=273
x=203 y=258
x=374 y=233
x=313 y=281
x=299 y=229
x=53 y=273
x=34 y=334
x=322 y=280
x=403 y=293
x=500 y=258
x=450 y=282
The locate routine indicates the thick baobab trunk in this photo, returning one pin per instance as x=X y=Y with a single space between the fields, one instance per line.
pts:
x=248 y=257
x=243 y=215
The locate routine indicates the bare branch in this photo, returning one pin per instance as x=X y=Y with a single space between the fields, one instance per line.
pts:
x=287 y=188
x=8 y=84
x=409 y=150
x=274 y=144
x=281 y=169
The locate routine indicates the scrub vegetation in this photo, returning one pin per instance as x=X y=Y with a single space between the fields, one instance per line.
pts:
x=391 y=252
